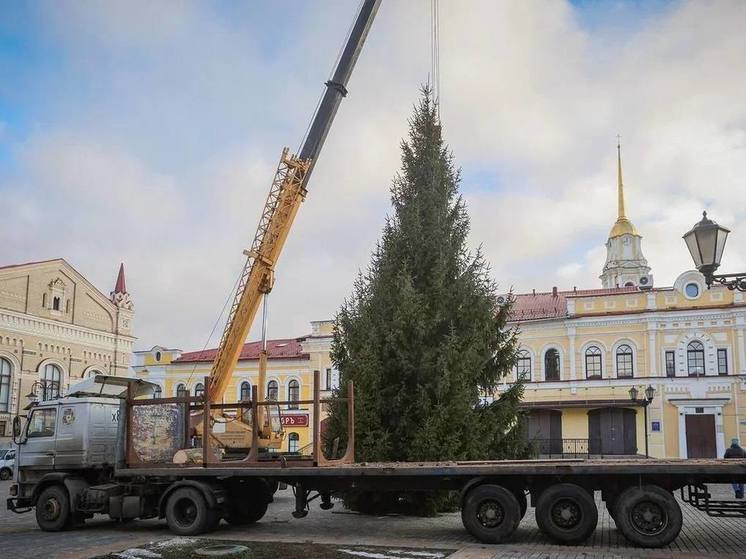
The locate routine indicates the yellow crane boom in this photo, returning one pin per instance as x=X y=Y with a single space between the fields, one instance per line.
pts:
x=286 y=194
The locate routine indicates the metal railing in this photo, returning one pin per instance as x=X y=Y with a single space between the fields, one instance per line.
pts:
x=562 y=448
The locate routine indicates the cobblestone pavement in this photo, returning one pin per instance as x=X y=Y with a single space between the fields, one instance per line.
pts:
x=702 y=535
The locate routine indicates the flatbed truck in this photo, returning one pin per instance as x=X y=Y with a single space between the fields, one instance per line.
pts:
x=104 y=448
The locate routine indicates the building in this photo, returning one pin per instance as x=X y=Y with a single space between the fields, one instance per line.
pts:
x=581 y=351
x=56 y=328
x=290 y=369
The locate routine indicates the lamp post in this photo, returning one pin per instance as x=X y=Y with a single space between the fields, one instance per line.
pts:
x=32 y=396
x=706 y=241
x=644 y=402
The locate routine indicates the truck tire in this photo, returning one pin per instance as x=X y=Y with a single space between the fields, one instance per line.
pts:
x=648 y=516
x=566 y=513
x=53 y=509
x=187 y=513
x=248 y=511
x=5 y=473
x=490 y=513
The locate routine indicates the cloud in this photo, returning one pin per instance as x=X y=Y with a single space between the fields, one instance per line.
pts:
x=152 y=132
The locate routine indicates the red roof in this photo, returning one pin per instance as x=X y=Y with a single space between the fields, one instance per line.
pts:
x=120 y=287
x=536 y=306
x=288 y=348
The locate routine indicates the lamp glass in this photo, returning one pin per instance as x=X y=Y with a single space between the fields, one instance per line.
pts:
x=650 y=393
x=707 y=241
x=720 y=243
x=633 y=393
x=691 y=243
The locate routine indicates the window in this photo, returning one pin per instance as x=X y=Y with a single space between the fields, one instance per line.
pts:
x=523 y=365
x=181 y=390
x=293 y=442
x=551 y=365
x=293 y=394
x=42 y=423
x=4 y=386
x=272 y=390
x=157 y=355
x=624 y=364
x=44 y=300
x=245 y=392
x=722 y=363
x=157 y=392
x=56 y=303
x=695 y=358
x=691 y=290
x=328 y=379
x=593 y=362
x=3 y=428
x=67 y=306
x=93 y=373
x=670 y=364
x=199 y=389
x=50 y=382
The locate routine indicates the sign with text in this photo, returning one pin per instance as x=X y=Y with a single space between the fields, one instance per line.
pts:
x=300 y=420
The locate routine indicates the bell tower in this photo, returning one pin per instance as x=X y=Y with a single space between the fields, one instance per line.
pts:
x=625 y=264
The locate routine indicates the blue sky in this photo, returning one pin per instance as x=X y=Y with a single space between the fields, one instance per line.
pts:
x=148 y=133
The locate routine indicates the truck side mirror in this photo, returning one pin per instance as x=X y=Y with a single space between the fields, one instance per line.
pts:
x=16 y=429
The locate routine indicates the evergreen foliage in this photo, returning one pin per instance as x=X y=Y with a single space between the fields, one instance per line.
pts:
x=422 y=335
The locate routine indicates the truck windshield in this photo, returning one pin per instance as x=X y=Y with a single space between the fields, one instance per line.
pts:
x=42 y=423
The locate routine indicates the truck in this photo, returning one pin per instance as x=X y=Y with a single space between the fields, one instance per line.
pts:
x=108 y=448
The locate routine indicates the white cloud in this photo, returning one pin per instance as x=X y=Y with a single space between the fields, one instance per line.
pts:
x=160 y=142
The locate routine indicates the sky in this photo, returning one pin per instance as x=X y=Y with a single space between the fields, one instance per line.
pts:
x=148 y=133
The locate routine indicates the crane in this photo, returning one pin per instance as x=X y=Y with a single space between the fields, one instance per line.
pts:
x=287 y=192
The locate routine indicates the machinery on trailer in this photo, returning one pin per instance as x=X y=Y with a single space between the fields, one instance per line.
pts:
x=105 y=449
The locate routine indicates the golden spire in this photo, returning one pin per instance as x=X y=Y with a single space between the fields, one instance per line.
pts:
x=623 y=226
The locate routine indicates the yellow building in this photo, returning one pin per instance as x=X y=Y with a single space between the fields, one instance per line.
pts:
x=290 y=370
x=56 y=328
x=582 y=351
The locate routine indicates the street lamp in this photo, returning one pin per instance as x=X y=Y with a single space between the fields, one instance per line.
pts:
x=33 y=397
x=706 y=241
x=645 y=402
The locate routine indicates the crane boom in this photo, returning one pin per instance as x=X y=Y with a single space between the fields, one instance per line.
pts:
x=286 y=194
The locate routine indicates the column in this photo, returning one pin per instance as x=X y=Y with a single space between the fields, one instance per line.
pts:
x=741 y=351
x=653 y=354
x=571 y=334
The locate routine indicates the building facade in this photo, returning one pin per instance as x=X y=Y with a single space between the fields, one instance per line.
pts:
x=56 y=328
x=582 y=351
x=290 y=370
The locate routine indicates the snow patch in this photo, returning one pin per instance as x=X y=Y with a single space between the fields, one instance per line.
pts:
x=175 y=542
x=137 y=553
x=370 y=555
x=436 y=555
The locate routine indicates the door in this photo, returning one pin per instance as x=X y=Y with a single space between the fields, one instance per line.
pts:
x=38 y=450
x=700 y=436
x=545 y=431
x=612 y=431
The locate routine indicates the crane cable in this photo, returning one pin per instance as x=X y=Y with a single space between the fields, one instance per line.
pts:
x=435 y=54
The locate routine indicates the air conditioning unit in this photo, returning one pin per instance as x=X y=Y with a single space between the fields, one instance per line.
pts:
x=501 y=300
x=646 y=282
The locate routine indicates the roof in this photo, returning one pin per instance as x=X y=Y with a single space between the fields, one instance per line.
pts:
x=537 y=306
x=286 y=348
x=32 y=263
x=120 y=287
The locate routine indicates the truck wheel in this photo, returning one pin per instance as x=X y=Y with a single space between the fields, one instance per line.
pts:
x=648 y=516
x=187 y=513
x=520 y=496
x=490 y=513
x=53 y=509
x=5 y=473
x=566 y=513
x=248 y=510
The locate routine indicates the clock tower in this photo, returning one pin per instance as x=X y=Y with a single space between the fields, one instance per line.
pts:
x=625 y=263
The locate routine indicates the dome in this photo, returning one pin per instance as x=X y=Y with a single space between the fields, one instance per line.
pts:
x=623 y=226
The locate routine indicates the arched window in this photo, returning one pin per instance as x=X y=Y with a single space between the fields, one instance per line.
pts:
x=93 y=373
x=552 y=365
x=245 y=392
x=56 y=303
x=523 y=365
x=272 y=390
x=157 y=355
x=50 y=381
x=695 y=358
x=293 y=442
x=593 y=362
x=199 y=389
x=624 y=362
x=5 y=370
x=181 y=390
x=293 y=394
x=157 y=392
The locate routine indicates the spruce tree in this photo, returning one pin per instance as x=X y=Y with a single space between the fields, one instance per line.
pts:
x=422 y=335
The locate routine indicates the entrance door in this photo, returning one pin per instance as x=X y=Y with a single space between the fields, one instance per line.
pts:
x=545 y=431
x=612 y=431
x=700 y=436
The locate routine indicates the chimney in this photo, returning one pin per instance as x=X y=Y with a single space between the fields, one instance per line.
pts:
x=534 y=291
x=574 y=288
x=554 y=291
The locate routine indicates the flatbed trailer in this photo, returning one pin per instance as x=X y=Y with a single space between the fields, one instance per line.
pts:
x=144 y=482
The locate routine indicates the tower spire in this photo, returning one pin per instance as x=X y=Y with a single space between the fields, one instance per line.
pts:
x=620 y=184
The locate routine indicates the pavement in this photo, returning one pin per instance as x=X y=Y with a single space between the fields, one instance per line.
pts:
x=702 y=536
